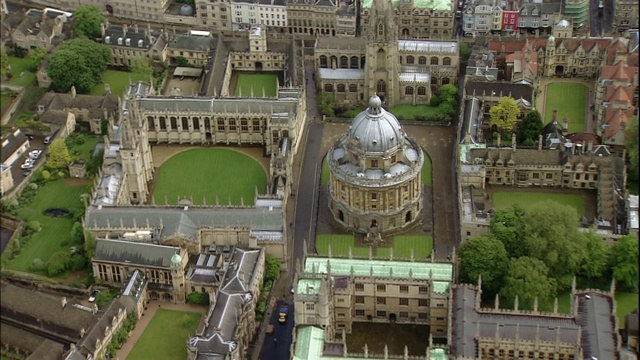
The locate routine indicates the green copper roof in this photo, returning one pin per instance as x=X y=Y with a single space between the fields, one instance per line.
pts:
x=441 y=5
x=308 y=287
x=442 y=272
x=438 y=354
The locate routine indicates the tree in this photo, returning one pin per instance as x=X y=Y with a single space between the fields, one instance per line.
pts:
x=624 y=262
x=4 y=61
x=527 y=278
x=198 y=298
x=89 y=245
x=449 y=94
x=530 y=128
x=87 y=21
x=38 y=265
x=77 y=234
x=57 y=263
x=183 y=61
x=272 y=270
x=77 y=262
x=140 y=66
x=78 y=62
x=508 y=227
x=596 y=259
x=484 y=255
x=551 y=235
x=631 y=141
x=58 y=155
x=326 y=103
x=35 y=58
x=504 y=115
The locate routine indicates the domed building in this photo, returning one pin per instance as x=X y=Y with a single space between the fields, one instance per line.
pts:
x=375 y=184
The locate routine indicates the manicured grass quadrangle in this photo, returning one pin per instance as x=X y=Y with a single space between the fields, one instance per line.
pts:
x=571 y=101
x=118 y=81
x=402 y=245
x=55 y=194
x=208 y=173
x=257 y=82
x=339 y=245
x=165 y=338
x=21 y=76
x=526 y=200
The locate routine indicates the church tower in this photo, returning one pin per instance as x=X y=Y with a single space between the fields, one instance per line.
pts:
x=177 y=277
x=382 y=64
x=135 y=153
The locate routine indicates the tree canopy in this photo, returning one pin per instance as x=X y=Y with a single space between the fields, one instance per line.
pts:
x=4 y=61
x=140 y=65
x=508 y=227
x=484 y=255
x=624 y=261
x=632 y=147
x=596 y=259
x=87 y=20
x=35 y=58
x=80 y=63
x=504 y=115
x=530 y=128
x=58 y=155
x=527 y=278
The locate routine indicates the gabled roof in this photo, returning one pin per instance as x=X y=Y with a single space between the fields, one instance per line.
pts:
x=620 y=72
x=619 y=94
x=88 y=344
x=615 y=118
x=137 y=253
x=14 y=140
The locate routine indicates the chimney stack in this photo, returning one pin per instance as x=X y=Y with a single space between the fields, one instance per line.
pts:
x=590 y=146
x=64 y=302
x=540 y=142
x=513 y=142
x=554 y=115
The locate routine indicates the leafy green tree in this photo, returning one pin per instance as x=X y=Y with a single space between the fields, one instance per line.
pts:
x=508 y=226
x=77 y=234
x=183 y=61
x=58 y=154
x=77 y=262
x=551 y=235
x=631 y=141
x=504 y=115
x=79 y=62
x=38 y=265
x=35 y=58
x=326 y=103
x=465 y=53
x=530 y=128
x=624 y=262
x=484 y=255
x=272 y=270
x=57 y=263
x=449 y=94
x=198 y=298
x=105 y=296
x=89 y=245
x=597 y=253
x=527 y=278
x=4 y=61
x=87 y=21
x=141 y=66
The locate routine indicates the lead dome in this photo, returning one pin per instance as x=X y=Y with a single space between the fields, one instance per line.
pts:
x=375 y=130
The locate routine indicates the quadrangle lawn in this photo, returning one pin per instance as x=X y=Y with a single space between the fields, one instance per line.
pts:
x=117 y=80
x=571 y=101
x=55 y=194
x=85 y=150
x=257 y=82
x=505 y=199
x=402 y=246
x=21 y=76
x=165 y=338
x=409 y=112
x=208 y=173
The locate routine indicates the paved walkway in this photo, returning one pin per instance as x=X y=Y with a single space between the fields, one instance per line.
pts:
x=148 y=314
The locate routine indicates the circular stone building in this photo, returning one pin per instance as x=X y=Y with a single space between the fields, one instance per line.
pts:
x=375 y=184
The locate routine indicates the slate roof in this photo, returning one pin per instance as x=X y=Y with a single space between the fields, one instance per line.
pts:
x=192 y=43
x=137 y=253
x=94 y=104
x=106 y=318
x=14 y=336
x=16 y=139
x=340 y=43
x=486 y=88
x=472 y=120
x=174 y=220
x=114 y=32
x=48 y=350
x=596 y=315
x=211 y=105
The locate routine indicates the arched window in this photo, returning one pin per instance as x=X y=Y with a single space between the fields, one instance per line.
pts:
x=185 y=123
x=422 y=90
x=341 y=88
x=344 y=62
x=163 y=123
x=408 y=90
x=410 y=60
x=381 y=58
x=400 y=59
x=380 y=29
x=382 y=86
x=196 y=124
x=323 y=61
x=328 y=87
x=174 y=123
x=334 y=62
x=151 y=122
x=362 y=61
x=435 y=32
x=434 y=61
x=422 y=60
x=446 y=61
x=207 y=123
x=353 y=88
x=445 y=81
x=354 y=62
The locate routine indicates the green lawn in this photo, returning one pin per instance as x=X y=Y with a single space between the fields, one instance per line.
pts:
x=339 y=245
x=84 y=150
x=21 y=76
x=409 y=112
x=5 y=101
x=505 y=199
x=402 y=245
x=325 y=174
x=209 y=173
x=166 y=336
x=117 y=80
x=626 y=303
x=570 y=100
x=257 y=81
x=55 y=194
x=426 y=171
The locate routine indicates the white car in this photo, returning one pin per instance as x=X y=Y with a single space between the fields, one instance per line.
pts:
x=27 y=165
x=35 y=154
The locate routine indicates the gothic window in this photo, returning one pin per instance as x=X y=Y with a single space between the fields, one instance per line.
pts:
x=340 y=88
x=422 y=60
x=445 y=81
x=152 y=123
x=410 y=60
x=422 y=90
x=232 y=125
x=354 y=62
x=275 y=136
x=323 y=61
x=328 y=87
x=185 y=123
x=446 y=61
x=256 y=125
x=381 y=59
x=353 y=88
x=285 y=133
x=334 y=62
x=382 y=86
x=163 y=123
x=344 y=62
x=221 y=125
x=434 y=61
x=196 y=124
x=380 y=29
x=174 y=123
x=207 y=123
x=400 y=60
x=244 y=126
x=408 y=90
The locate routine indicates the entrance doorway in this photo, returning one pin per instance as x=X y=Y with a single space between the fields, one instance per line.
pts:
x=258 y=66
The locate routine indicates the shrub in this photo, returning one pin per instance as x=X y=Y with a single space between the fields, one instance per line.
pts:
x=46 y=175
x=435 y=100
x=61 y=174
x=57 y=263
x=105 y=296
x=34 y=226
x=77 y=234
x=272 y=268
x=198 y=298
x=77 y=262
x=38 y=265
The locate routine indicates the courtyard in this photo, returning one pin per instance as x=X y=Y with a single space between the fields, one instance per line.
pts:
x=395 y=336
x=570 y=100
x=118 y=82
x=256 y=84
x=207 y=174
x=402 y=246
x=583 y=201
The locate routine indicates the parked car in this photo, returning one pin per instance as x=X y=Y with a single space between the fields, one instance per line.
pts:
x=283 y=315
x=47 y=140
x=28 y=164
x=35 y=154
x=94 y=294
x=26 y=172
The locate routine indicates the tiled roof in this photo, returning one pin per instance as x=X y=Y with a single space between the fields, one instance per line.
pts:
x=619 y=94
x=614 y=118
x=137 y=253
x=487 y=88
x=620 y=71
x=14 y=140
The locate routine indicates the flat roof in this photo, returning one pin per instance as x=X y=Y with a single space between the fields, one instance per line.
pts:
x=308 y=287
x=187 y=71
x=342 y=74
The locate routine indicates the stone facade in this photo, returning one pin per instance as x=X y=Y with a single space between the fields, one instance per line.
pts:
x=625 y=13
x=414 y=19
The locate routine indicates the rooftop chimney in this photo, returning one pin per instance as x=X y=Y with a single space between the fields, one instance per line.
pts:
x=554 y=115
x=64 y=302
